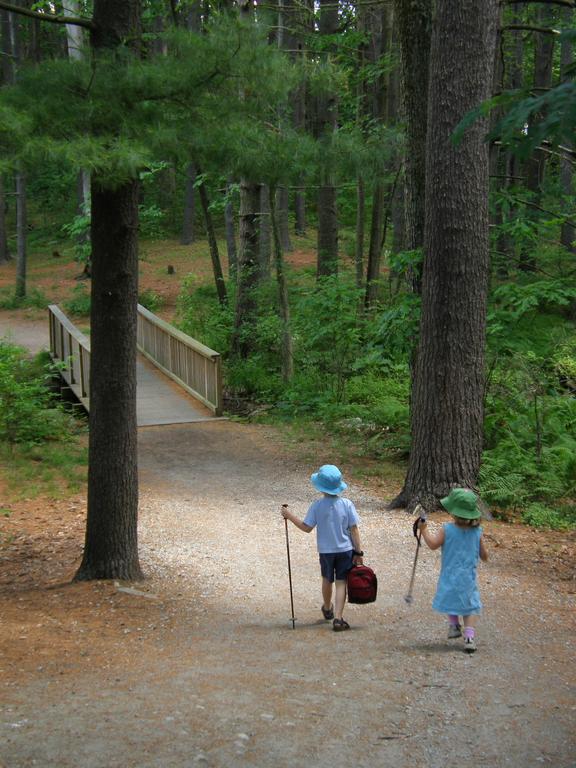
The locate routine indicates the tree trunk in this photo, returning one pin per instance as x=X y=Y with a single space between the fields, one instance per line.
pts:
x=111 y=547
x=375 y=248
x=543 y=60
x=4 y=251
x=230 y=234
x=213 y=245
x=448 y=384
x=287 y=355
x=21 y=234
x=248 y=270
x=326 y=122
x=282 y=207
x=187 y=235
x=265 y=243
x=359 y=243
x=300 y=213
x=568 y=232
x=414 y=18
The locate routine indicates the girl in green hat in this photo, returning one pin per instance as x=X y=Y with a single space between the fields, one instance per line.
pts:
x=462 y=546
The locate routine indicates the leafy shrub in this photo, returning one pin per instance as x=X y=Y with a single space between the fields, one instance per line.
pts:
x=541 y=516
x=152 y=221
x=79 y=231
x=34 y=298
x=27 y=413
x=79 y=303
x=151 y=300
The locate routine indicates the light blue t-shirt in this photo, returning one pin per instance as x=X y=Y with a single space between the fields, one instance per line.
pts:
x=332 y=517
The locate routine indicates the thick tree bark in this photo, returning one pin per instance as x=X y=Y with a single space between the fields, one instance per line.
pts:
x=448 y=385
x=187 y=234
x=4 y=251
x=414 y=19
x=213 y=245
x=111 y=546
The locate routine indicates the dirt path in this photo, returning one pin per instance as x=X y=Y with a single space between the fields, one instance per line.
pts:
x=203 y=669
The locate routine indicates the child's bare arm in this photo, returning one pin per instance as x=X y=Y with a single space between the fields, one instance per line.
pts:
x=483 y=550
x=355 y=536
x=286 y=514
x=433 y=540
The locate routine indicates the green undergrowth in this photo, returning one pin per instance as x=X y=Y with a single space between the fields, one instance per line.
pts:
x=34 y=299
x=351 y=380
x=42 y=445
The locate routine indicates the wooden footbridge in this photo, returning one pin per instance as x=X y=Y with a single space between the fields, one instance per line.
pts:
x=179 y=380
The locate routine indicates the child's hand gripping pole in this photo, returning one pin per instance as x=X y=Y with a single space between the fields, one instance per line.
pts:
x=416 y=530
x=285 y=508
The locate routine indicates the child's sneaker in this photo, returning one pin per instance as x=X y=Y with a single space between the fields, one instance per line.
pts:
x=454 y=630
x=470 y=645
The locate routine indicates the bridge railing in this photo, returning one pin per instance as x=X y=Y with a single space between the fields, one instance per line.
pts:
x=194 y=366
x=71 y=348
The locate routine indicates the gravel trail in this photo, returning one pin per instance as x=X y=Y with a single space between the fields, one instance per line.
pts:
x=212 y=674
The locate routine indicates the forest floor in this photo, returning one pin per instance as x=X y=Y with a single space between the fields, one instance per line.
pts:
x=198 y=665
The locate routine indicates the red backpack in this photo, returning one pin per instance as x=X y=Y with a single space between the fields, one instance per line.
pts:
x=362 y=585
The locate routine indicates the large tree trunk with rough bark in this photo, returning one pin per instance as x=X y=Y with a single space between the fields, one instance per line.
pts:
x=414 y=19
x=448 y=384
x=111 y=547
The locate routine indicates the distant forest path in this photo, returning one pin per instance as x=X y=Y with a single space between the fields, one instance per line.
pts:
x=199 y=666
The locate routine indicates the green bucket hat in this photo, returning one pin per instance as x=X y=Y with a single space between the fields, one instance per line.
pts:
x=462 y=503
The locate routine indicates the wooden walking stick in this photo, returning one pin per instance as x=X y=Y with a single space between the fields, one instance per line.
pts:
x=408 y=598
x=289 y=568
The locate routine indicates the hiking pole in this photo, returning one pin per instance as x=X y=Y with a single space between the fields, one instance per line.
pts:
x=289 y=568
x=408 y=597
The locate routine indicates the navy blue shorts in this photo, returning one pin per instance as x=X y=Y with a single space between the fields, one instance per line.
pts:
x=336 y=564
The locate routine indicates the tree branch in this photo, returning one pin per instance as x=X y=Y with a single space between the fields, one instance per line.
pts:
x=53 y=19
x=545 y=210
x=530 y=28
x=565 y=3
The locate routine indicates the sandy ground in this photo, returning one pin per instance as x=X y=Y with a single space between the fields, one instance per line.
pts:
x=199 y=665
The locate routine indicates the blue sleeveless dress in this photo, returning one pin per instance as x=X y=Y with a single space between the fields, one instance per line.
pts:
x=457 y=590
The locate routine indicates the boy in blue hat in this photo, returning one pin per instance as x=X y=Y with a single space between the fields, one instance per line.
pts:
x=337 y=536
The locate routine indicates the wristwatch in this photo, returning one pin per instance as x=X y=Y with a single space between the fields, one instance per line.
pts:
x=358 y=554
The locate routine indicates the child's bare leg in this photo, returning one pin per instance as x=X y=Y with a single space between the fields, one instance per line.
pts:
x=339 y=598
x=327 y=593
x=470 y=621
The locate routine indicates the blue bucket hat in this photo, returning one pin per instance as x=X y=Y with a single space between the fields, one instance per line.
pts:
x=328 y=479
